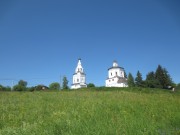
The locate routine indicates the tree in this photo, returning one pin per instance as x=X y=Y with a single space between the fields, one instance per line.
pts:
x=151 y=81
x=163 y=77
x=65 y=83
x=5 y=88
x=125 y=75
x=31 y=89
x=22 y=83
x=90 y=85
x=1 y=88
x=138 y=80
x=178 y=86
x=131 y=80
x=54 y=86
x=19 y=88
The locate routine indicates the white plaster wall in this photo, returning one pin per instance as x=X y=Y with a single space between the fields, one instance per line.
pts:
x=114 y=83
x=120 y=72
x=76 y=86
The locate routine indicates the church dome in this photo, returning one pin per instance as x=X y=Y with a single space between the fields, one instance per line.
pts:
x=115 y=64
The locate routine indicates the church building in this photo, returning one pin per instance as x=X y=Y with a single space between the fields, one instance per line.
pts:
x=79 y=77
x=116 y=76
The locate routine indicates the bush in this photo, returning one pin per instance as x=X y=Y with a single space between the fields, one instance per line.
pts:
x=19 y=88
x=90 y=85
x=2 y=88
x=54 y=86
x=177 y=87
x=31 y=89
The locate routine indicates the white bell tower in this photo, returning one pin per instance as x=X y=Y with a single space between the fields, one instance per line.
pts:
x=79 y=77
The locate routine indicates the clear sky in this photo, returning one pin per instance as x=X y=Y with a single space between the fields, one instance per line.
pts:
x=41 y=40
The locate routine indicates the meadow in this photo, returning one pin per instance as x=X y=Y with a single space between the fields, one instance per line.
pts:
x=117 y=111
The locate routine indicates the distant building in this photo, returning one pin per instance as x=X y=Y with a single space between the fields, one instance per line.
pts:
x=79 y=77
x=41 y=87
x=116 y=76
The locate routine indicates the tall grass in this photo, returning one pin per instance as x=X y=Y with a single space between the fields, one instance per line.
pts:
x=89 y=112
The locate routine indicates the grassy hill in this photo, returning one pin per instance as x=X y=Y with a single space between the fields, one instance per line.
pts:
x=96 y=111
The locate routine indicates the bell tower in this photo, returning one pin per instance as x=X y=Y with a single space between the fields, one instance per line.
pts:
x=79 y=77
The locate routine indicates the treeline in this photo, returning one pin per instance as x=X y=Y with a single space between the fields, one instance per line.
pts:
x=22 y=86
x=158 y=79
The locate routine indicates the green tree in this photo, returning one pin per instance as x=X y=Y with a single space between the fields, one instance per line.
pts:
x=7 y=88
x=125 y=75
x=19 y=88
x=139 y=80
x=177 y=87
x=54 y=86
x=151 y=81
x=90 y=85
x=22 y=83
x=65 y=83
x=31 y=88
x=163 y=77
x=1 y=88
x=131 y=80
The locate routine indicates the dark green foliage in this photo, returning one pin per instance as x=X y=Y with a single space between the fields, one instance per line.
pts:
x=139 y=80
x=131 y=80
x=151 y=81
x=31 y=89
x=163 y=77
x=65 y=83
x=125 y=75
x=7 y=88
x=90 y=85
x=19 y=88
x=22 y=83
x=54 y=86
x=177 y=87
x=3 y=88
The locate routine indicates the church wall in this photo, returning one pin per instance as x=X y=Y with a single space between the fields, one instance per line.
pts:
x=113 y=76
x=115 y=72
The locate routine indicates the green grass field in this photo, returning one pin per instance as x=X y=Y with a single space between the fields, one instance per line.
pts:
x=90 y=112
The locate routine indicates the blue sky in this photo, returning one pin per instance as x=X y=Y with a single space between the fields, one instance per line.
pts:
x=41 y=40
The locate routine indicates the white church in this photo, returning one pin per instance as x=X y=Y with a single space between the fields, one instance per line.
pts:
x=79 y=77
x=116 y=76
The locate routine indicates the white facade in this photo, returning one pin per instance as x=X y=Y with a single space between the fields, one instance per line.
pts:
x=79 y=77
x=116 y=76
